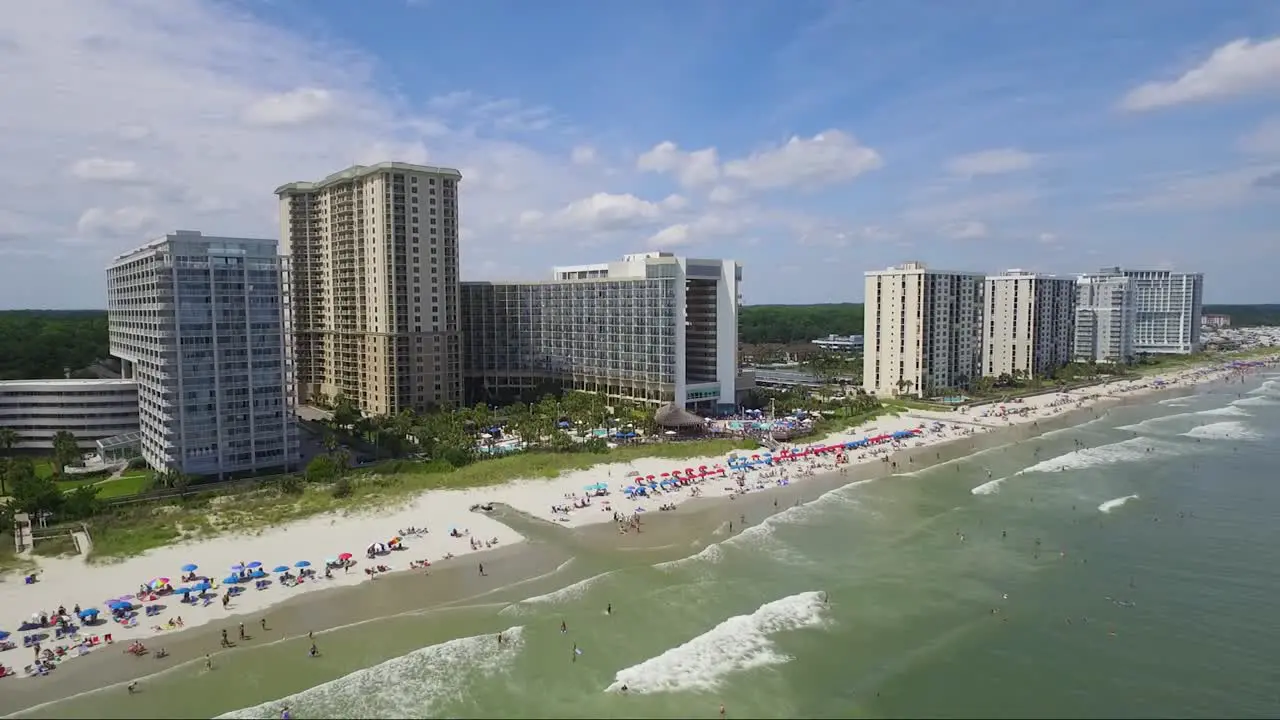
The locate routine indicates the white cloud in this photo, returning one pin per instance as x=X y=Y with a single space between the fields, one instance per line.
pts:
x=604 y=212
x=957 y=211
x=704 y=228
x=723 y=195
x=691 y=169
x=991 y=162
x=104 y=170
x=968 y=230
x=1047 y=238
x=1200 y=191
x=825 y=159
x=295 y=107
x=119 y=222
x=1264 y=140
x=1238 y=68
x=583 y=155
x=191 y=96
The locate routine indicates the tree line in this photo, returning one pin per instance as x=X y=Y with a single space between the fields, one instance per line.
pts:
x=40 y=344
x=760 y=324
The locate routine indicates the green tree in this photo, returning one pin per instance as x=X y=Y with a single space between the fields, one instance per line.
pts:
x=66 y=450
x=31 y=493
x=322 y=469
x=345 y=413
x=8 y=439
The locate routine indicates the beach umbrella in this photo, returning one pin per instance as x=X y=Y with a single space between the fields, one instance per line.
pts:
x=331 y=561
x=237 y=567
x=184 y=591
x=231 y=579
x=281 y=568
x=160 y=582
x=302 y=564
x=254 y=565
x=4 y=634
x=344 y=556
x=89 y=613
x=190 y=567
x=258 y=574
x=201 y=586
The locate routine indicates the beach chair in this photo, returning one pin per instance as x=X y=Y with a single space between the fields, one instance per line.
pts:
x=107 y=638
x=93 y=641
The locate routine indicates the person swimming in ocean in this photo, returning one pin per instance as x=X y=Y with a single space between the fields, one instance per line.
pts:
x=564 y=627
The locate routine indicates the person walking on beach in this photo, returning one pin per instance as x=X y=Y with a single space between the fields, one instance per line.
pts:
x=225 y=641
x=608 y=609
x=242 y=636
x=482 y=569
x=208 y=662
x=574 y=658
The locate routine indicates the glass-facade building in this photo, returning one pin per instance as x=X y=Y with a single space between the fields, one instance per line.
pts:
x=202 y=324
x=653 y=328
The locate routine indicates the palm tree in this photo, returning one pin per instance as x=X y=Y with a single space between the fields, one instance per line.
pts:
x=8 y=439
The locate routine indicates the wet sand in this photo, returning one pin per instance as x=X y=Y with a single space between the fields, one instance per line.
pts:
x=512 y=572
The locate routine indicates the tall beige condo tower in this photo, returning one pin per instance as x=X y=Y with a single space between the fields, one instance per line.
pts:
x=375 y=286
x=923 y=330
x=1027 y=323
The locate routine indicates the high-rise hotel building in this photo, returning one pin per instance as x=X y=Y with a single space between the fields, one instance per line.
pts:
x=923 y=330
x=653 y=328
x=1163 y=310
x=1027 y=323
x=1104 y=319
x=374 y=253
x=201 y=323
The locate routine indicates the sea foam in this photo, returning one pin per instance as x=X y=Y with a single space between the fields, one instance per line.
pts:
x=1222 y=431
x=1256 y=401
x=1110 y=505
x=567 y=593
x=740 y=643
x=989 y=487
x=411 y=685
x=1129 y=450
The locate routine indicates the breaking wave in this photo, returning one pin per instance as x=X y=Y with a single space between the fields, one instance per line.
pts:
x=740 y=643
x=1110 y=505
x=411 y=685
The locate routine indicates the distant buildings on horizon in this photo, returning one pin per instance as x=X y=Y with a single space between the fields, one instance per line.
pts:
x=929 y=331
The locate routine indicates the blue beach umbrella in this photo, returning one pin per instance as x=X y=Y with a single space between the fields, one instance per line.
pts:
x=302 y=564
x=88 y=613
x=254 y=565
x=281 y=568
x=120 y=605
x=258 y=574
x=4 y=634
x=201 y=586
x=190 y=567
x=184 y=590
x=237 y=567
x=231 y=579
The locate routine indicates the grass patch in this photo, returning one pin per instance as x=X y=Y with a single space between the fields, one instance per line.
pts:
x=44 y=468
x=129 y=531
x=54 y=546
x=124 y=486
x=9 y=560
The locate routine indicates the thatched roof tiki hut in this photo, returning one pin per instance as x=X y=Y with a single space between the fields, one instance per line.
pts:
x=672 y=417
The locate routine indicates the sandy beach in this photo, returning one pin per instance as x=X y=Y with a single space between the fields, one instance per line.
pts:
x=67 y=582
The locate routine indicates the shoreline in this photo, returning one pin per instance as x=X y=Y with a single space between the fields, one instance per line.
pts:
x=527 y=559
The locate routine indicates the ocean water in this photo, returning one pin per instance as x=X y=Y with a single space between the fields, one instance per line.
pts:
x=1125 y=568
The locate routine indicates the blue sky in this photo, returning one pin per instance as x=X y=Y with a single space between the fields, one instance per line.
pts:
x=811 y=141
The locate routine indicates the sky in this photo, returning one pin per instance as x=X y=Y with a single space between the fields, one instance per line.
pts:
x=811 y=141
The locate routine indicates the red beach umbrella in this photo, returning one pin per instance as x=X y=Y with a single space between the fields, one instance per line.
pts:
x=666 y=474
x=344 y=556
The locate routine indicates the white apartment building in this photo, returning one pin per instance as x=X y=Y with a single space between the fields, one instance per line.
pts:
x=1027 y=323
x=1167 y=309
x=652 y=328
x=374 y=260
x=91 y=410
x=201 y=323
x=923 y=330
x=1104 y=319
